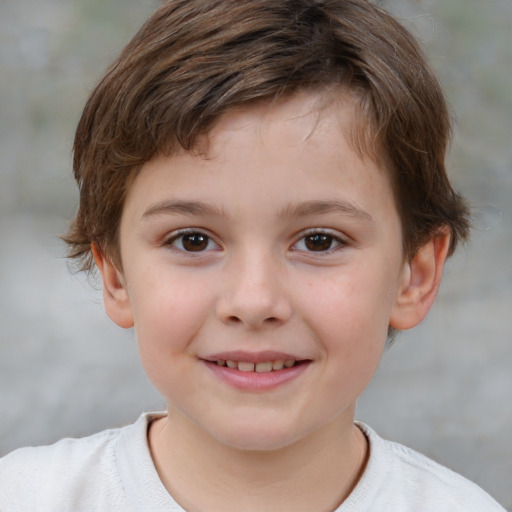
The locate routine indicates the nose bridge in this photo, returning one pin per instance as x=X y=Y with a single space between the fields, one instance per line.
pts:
x=254 y=292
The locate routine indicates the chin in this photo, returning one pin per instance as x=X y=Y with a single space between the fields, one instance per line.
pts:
x=257 y=438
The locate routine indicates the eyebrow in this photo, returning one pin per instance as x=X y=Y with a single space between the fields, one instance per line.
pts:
x=182 y=208
x=302 y=209
x=307 y=208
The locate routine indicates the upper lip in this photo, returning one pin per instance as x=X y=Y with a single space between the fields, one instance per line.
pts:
x=253 y=357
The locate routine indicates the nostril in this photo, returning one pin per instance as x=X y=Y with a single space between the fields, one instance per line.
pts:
x=237 y=320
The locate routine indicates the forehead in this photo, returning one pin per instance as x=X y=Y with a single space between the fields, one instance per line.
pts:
x=272 y=153
x=297 y=119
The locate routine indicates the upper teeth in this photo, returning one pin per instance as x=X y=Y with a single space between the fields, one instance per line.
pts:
x=264 y=367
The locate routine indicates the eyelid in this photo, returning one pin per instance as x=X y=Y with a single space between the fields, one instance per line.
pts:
x=324 y=231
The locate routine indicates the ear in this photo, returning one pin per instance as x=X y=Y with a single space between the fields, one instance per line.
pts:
x=420 y=282
x=115 y=294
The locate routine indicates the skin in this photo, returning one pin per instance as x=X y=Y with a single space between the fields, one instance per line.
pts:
x=258 y=283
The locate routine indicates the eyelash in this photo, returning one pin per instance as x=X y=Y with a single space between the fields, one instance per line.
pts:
x=317 y=232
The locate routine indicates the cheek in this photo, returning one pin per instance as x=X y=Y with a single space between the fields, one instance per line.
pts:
x=354 y=305
x=348 y=313
x=167 y=322
x=168 y=312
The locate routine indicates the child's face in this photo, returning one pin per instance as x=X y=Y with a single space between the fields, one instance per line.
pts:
x=283 y=244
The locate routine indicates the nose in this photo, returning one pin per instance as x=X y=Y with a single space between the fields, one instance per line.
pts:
x=254 y=294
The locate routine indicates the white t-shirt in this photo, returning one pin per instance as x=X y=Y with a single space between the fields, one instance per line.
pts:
x=112 y=471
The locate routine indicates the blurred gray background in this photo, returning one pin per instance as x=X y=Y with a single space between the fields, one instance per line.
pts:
x=66 y=370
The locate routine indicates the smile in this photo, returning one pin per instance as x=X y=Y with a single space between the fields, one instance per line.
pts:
x=261 y=367
x=260 y=372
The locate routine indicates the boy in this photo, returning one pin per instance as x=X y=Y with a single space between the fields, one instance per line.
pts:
x=262 y=188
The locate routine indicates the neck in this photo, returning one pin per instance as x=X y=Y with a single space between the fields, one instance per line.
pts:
x=201 y=473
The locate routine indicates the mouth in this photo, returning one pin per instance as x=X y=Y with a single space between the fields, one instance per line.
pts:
x=256 y=372
x=259 y=367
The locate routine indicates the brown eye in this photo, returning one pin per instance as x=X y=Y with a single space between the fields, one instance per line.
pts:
x=193 y=241
x=318 y=242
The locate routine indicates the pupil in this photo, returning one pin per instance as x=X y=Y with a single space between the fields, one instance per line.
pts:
x=195 y=242
x=319 y=242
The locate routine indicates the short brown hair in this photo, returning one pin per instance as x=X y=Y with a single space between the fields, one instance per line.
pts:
x=194 y=60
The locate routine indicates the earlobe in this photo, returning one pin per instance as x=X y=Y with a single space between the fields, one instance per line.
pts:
x=420 y=282
x=115 y=293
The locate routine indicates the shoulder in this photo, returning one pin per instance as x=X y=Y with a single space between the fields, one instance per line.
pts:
x=398 y=478
x=64 y=476
x=429 y=481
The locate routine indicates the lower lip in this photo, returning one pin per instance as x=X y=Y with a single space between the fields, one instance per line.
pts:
x=254 y=381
